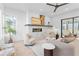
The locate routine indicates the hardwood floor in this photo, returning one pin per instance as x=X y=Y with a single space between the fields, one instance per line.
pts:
x=21 y=50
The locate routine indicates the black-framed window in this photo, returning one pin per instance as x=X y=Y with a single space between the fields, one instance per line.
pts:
x=70 y=25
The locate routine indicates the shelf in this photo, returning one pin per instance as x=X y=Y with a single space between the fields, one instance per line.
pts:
x=38 y=25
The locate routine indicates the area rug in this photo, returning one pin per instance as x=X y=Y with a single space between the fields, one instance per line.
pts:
x=37 y=50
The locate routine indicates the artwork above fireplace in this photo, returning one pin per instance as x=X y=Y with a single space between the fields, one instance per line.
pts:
x=38 y=21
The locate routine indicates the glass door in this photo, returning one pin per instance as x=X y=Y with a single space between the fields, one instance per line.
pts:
x=67 y=26
x=76 y=26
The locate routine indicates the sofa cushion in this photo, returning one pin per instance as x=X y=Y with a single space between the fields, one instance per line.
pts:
x=68 y=39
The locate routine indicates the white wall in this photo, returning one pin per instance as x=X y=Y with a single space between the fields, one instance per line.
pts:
x=30 y=14
x=56 y=21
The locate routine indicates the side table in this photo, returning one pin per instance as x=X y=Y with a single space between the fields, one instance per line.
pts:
x=48 y=49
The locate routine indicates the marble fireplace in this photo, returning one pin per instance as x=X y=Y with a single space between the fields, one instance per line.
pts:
x=37 y=31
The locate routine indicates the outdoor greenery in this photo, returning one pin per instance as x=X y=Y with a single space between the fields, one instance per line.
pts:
x=9 y=25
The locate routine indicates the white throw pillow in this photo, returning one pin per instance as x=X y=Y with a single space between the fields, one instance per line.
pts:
x=32 y=41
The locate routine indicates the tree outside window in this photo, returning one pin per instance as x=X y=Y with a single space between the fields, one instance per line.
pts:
x=10 y=26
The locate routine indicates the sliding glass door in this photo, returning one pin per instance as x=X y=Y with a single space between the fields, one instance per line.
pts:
x=70 y=25
x=76 y=26
x=67 y=26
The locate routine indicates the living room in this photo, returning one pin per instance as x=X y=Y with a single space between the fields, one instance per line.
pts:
x=39 y=29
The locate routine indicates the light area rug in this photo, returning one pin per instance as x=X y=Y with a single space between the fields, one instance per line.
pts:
x=37 y=49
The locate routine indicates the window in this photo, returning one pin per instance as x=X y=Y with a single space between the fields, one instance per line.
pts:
x=70 y=25
x=67 y=26
x=10 y=26
x=76 y=26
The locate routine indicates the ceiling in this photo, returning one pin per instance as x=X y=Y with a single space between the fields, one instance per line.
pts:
x=42 y=8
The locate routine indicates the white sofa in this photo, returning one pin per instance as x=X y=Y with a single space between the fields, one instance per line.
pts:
x=6 y=49
x=7 y=52
x=62 y=49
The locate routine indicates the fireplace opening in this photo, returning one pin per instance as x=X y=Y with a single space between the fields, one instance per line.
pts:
x=37 y=30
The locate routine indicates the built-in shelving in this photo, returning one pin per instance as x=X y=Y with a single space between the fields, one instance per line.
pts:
x=38 y=25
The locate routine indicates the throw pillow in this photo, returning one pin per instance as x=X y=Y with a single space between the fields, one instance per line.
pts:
x=68 y=39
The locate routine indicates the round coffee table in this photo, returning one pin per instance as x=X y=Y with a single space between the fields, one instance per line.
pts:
x=48 y=49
